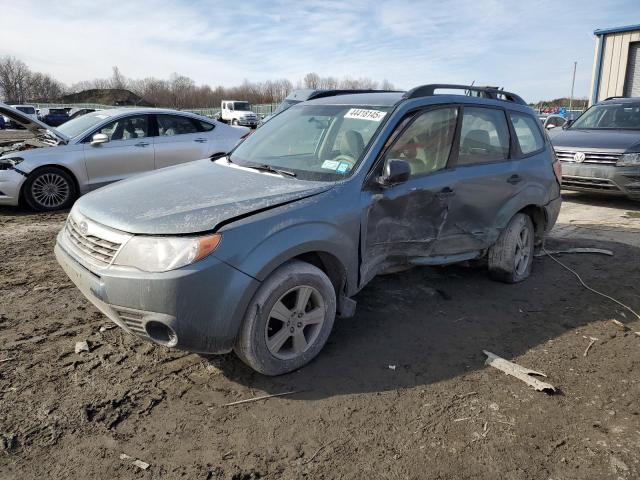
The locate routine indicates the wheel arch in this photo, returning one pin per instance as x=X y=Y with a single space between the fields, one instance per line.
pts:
x=67 y=170
x=539 y=218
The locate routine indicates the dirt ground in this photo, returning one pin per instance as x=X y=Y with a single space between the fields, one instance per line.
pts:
x=401 y=390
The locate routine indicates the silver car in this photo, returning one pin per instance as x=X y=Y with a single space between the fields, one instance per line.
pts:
x=50 y=170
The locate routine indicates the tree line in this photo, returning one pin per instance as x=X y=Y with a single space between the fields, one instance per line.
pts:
x=18 y=83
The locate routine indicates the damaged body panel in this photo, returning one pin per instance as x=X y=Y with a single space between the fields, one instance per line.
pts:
x=259 y=251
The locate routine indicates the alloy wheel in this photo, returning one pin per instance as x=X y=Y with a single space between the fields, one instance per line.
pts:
x=295 y=321
x=523 y=250
x=50 y=190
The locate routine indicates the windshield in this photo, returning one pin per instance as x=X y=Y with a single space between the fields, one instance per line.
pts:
x=610 y=116
x=27 y=110
x=316 y=142
x=244 y=106
x=78 y=125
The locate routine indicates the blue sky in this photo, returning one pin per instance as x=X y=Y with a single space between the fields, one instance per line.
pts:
x=527 y=46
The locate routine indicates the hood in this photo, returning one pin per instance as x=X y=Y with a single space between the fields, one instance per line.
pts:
x=30 y=123
x=618 y=141
x=190 y=198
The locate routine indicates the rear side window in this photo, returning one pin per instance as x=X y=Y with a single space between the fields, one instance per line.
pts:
x=528 y=134
x=170 y=125
x=484 y=136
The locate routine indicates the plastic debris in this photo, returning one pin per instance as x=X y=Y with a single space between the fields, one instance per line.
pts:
x=141 y=464
x=82 y=346
x=521 y=373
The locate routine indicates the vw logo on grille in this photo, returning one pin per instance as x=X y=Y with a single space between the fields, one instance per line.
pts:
x=84 y=228
x=579 y=157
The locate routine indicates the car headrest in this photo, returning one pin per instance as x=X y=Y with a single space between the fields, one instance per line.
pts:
x=352 y=144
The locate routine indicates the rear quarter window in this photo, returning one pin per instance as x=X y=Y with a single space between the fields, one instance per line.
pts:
x=527 y=132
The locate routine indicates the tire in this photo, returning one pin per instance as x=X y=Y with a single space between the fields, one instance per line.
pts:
x=48 y=189
x=234 y=122
x=511 y=257
x=269 y=340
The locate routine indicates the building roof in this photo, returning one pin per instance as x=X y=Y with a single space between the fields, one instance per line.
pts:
x=605 y=31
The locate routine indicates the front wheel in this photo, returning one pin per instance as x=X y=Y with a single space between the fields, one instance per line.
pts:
x=234 y=122
x=511 y=257
x=49 y=189
x=289 y=319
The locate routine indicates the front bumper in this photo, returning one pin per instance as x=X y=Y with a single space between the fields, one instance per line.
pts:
x=202 y=305
x=247 y=123
x=10 y=184
x=607 y=179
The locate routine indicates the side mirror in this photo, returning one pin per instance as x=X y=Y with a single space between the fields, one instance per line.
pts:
x=99 y=138
x=568 y=124
x=395 y=171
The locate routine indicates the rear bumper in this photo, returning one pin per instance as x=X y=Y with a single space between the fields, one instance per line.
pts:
x=607 y=179
x=202 y=305
x=551 y=212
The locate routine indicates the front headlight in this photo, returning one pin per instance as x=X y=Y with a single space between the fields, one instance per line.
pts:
x=629 y=160
x=10 y=163
x=161 y=254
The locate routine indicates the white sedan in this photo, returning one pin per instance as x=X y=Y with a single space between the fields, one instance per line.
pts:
x=50 y=170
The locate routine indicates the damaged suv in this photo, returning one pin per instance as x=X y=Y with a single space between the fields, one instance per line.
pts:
x=259 y=251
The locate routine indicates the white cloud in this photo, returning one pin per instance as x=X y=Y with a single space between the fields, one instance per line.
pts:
x=528 y=47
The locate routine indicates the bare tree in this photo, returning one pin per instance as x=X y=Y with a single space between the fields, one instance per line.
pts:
x=311 y=80
x=14 y=79
x=117 y=79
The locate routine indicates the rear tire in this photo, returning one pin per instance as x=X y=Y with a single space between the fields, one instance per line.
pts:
x=50 y=188
x=289 y=319
x=511 y=257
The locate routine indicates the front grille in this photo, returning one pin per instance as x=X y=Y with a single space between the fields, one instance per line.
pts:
x=601 y=158
x=132 y=319
x=591 y=183
x=98 y=249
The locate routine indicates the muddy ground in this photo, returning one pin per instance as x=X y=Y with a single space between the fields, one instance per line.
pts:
x=401 y=390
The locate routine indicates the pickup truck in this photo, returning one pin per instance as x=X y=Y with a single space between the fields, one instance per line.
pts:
x=236 y=112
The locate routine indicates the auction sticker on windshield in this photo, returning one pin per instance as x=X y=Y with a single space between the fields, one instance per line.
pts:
x=365 y=114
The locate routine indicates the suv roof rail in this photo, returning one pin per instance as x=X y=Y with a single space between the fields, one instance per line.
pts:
x=488 y=92
x=613 y=98
x=333 y=93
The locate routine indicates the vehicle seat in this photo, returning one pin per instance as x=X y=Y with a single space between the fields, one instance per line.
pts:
x=129 y=132
x=476 y=143
x=352 y=144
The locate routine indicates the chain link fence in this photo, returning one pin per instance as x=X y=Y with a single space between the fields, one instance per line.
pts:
x=261 y=109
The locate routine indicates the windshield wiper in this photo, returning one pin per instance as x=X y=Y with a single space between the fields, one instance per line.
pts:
x=269 y=168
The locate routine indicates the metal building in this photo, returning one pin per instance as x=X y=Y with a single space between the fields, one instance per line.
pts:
x=616 y=67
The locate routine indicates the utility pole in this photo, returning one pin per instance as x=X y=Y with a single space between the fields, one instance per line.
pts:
x=573 y=82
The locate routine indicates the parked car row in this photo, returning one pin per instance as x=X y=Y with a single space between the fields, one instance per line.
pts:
x=260 y=245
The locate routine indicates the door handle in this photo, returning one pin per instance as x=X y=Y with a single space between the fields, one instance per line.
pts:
x=141 y=144
x=445 y=192
x=513 y=179
x=200 y=140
